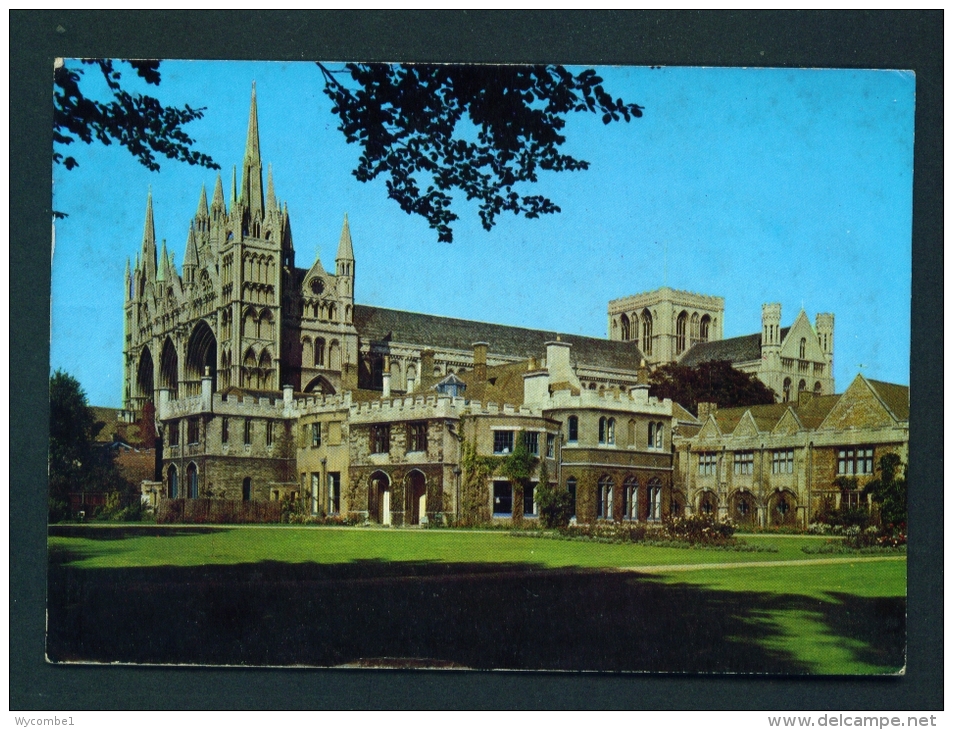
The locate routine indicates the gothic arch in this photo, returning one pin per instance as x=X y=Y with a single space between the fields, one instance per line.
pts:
x=172 y=482
x=248 y=322
x=782 y=508
x=169 y=367
x=624 y=322
x=334 y=355
x=681 y=324
x=201 y=354
x=646 y=332
x=695 y=328
x=319 y=352
x=307 y=351
x=319 y=384
x=415 y=489
x=704 y=329
x=266 y=325
x=145 y=374
x=265 y=370
x=708 y=504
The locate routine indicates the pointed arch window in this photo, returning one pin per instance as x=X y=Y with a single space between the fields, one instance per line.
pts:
x=802 y=349
x=787 y=389
x=625 y=327
x=573 y=428
x=192 y=476
x=173 y=482
x=680 y=326
x=647 y=332
x=704 y=329
x=630 y=509
x=654 y=494
x=604 y=498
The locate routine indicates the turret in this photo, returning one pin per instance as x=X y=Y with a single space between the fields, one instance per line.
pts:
x=128 y=281
x=163 y=273
x=345 y=259
x=824 y=326
x=201 y=213
x=770 y=326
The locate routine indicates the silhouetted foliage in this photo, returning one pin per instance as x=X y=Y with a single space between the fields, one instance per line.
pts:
x=889 y=490
x=708 y=382
x=481 y=130
x=137 y=122
x=77 y=464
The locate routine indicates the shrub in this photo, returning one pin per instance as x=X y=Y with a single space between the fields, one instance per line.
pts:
x=699 y=529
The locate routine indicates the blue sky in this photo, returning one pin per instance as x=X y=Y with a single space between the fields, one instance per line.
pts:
x=758 y=185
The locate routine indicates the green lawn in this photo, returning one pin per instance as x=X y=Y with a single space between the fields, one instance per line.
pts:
x=185 y=546
x=330 y=596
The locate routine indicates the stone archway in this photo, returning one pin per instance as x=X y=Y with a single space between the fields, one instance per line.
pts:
x=743 y=508
x=416 y=496
x=708 y=504
x=378 y=498
x=782 y=508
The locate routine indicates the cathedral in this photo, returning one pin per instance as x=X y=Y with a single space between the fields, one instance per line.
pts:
x=270 y=383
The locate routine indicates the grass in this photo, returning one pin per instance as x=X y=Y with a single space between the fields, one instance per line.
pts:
x=326 y=596
x=192 y=546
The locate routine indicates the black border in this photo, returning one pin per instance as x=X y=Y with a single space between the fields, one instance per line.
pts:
x=903 y=40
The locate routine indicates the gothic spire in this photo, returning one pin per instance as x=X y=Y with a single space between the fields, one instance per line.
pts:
x=149 y=241
x=218 y=197
x=251 y=167
x=163 y=264
x=345 y=250
x=272 y=202
x=231 y=202
x=128 y=281
x=202 y=211
x=191 y=252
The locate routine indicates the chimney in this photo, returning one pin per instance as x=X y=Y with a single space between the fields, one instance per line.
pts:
x=643 y=373
x=426 y=365
x=287 y=396
x=207 y=390
x=479 y=361
x=706 y=409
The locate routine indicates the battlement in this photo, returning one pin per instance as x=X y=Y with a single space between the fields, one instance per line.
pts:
x=678 y=297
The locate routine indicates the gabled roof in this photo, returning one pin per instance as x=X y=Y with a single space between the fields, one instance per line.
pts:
x=375 y=324
x=895 y=397
x=733 y=349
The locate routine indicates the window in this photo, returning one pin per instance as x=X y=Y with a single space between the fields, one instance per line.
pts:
x=531 y=442
x=246 y=489
x=319 y=353
x=529 y=501
x=680 y=333
x=502 y=442
x=315 y=492
x=334 y=492
x=247 y=432
x=193 y=432
x=782 y=462
x=551 y=445
x=787 y=389
x=646 y=332
x=315 y=435
x=654 y=492
x=502 y=499
x=174 y=433
x=625 y=327
x=173 y=482
x=602 y=430
x=224 y=430
x=380 y=438
x=707 y=463
x=571 y=488
x=859 y=460
x=192 y=473
x=708 y=504
x=417 y=436
x=610 y=431
x=744 y=462
x=656 y=440
x=802 y=349
x=573 y=428
x=604 y=499
x=705 y=328
x=270 y=433
x=631 y=492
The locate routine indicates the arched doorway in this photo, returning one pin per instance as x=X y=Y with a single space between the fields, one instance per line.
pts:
x=378 y=498
x=169 y=367
x=416 y=497
x=246 y=489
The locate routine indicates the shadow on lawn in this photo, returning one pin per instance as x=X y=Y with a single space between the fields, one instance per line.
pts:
x=407 y=614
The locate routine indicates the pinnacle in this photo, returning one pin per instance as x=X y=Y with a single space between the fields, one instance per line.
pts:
x=202 y=211
x=345 y=249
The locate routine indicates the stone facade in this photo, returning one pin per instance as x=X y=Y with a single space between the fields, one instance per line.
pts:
x=780 y=464
x=676 y=326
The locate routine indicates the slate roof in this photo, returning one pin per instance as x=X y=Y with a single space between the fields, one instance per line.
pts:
x=375 y=324
x=734 y=349
x=810 y=414
x=895 y=397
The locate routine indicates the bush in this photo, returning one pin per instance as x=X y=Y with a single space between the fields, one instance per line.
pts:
x=699 y=530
